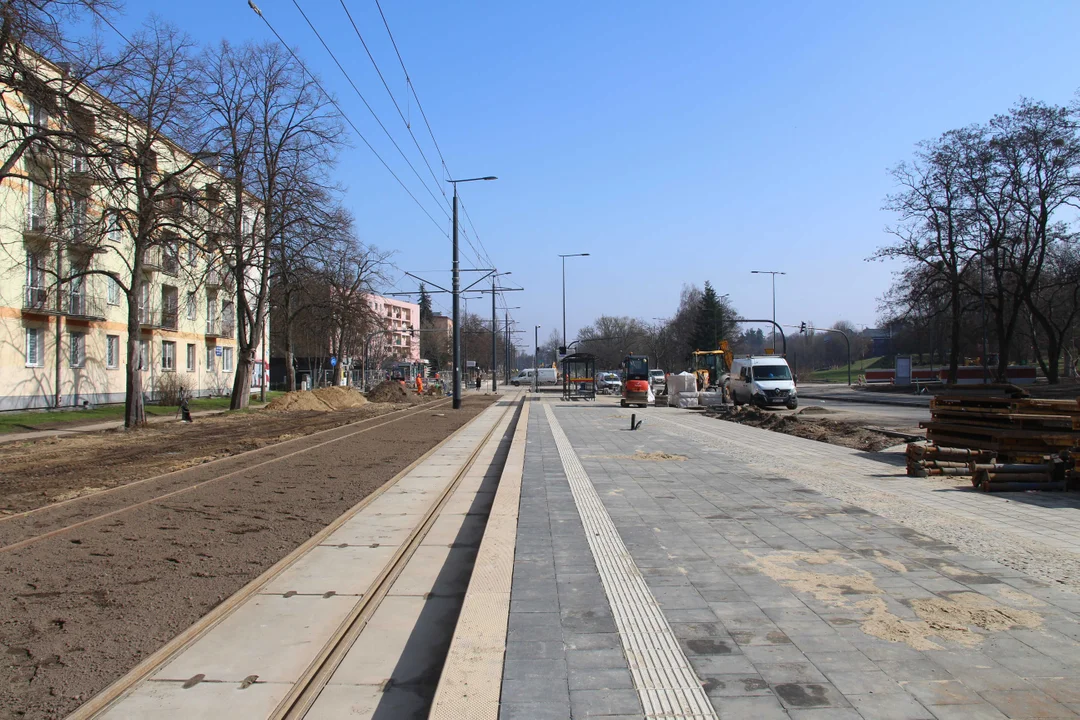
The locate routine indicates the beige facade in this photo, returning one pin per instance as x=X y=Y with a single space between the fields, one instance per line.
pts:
x=64 y=338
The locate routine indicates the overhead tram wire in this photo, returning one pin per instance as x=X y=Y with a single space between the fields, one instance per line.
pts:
x=481 y=256
x=386 y=85
x=347 y=119
x=370 y=109
x=412 y=88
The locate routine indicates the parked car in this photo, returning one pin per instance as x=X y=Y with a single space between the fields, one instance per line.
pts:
x=548 y=376
x=608 y=382
x=763 y=381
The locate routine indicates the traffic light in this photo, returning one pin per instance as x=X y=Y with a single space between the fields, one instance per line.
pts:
x=802 y=328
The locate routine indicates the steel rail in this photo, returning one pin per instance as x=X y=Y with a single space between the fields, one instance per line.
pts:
x=296 y=704
x=107 y=698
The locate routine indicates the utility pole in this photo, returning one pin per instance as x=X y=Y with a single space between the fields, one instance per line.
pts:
x=494 y=331
x=536 y=359
x=456 y=291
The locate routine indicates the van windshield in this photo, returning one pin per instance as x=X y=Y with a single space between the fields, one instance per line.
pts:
x=772 y=372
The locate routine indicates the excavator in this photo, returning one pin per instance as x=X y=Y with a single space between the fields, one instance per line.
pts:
x=712 y=367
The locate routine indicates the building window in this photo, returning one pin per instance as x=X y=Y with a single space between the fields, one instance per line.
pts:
x=168 y=356
x=144 y=354
x=210 y=358
x=191 y=306
x=77 y=343
x=113 y=230
x=226 y=359
x=33 y=347
x=114 y=292
x=191 y=357
x=112 y=351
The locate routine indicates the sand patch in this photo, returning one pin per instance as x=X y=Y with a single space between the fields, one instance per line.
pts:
x=1022 y=598
x=72 y=494
x=656 y=457
x=832 y=579
x=960 y=611
x=894 y=565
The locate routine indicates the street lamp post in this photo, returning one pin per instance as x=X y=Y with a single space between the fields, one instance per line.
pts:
x=506 y=381
x=494 y=328
x=536 y=359
x=774 y=273
x=564 y=291
x=456 y=288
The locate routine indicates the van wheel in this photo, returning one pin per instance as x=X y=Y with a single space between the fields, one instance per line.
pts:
x=792 y=404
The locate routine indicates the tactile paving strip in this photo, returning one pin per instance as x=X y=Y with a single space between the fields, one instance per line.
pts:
x=665 y=682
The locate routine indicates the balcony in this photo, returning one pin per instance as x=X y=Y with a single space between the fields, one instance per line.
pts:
x=220 y=328
x=36 y=232
x=149 y=317
x=160 y=259
x=38 y=301
x=216 y=279
x=83 y=306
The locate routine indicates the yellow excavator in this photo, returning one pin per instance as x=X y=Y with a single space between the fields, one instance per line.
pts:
x=712 y=367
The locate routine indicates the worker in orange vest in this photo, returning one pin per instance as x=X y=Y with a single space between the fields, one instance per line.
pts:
x=419 y=385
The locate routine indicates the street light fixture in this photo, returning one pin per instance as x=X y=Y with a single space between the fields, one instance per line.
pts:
x=564 y=291
x=774 y=273
x=456 y=288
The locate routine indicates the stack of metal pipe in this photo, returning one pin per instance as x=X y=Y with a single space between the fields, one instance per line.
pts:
x=929 y=460
x=1016 y=477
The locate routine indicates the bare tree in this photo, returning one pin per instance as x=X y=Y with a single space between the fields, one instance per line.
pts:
x=148 y=181
x=276 y=132
x=934 y=220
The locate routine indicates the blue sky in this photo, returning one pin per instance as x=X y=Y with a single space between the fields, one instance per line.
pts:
x=675 y=142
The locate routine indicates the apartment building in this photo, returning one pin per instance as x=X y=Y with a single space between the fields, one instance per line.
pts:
x=63 y=321
x=402 y=319
x=443 y=325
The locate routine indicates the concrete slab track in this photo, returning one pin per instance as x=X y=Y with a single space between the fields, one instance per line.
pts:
x=302 y=624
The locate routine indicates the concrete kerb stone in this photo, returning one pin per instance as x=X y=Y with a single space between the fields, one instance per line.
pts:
x=471 y=679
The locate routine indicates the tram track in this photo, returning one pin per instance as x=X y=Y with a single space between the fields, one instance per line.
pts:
x=33 y=520
x=304 y=693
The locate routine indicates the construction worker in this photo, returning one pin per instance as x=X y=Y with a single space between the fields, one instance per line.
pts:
x=419 y=384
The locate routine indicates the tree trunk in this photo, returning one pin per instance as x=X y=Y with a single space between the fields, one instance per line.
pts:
x=954 y=345
x=134 y=412
x=241 y=392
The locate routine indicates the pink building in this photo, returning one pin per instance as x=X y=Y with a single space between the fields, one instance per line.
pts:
x=401 y=319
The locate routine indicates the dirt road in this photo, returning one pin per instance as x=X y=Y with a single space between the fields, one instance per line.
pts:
x=81 y=606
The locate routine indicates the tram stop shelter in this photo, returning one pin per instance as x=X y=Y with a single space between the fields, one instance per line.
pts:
x=579 y=376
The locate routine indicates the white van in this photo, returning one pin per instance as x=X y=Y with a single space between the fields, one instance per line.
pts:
x=548 y=376
x=763 y=381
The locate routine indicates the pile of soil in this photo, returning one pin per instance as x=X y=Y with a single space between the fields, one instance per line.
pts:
x=388 y=391
x=433 y=391
x=321 y=400
x=834 y=432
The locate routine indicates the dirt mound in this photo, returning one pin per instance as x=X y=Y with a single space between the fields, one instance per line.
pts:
x=815 y=410
x=297 y=401
x=340 y=398
x=834 y=432
x=388 y=391
x=321 y=400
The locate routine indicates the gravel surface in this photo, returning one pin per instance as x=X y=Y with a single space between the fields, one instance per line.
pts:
x=79 y=609
x=1057 y=567
x=38 y=472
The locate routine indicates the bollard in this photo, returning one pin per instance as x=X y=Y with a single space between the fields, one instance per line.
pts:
x=632 y=417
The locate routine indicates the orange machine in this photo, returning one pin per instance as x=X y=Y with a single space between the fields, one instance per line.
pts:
x=635 y=387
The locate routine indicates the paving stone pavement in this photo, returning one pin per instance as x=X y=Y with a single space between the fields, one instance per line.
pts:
x=788 y=603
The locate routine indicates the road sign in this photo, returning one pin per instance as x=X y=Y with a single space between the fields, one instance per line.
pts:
x=333 y=361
